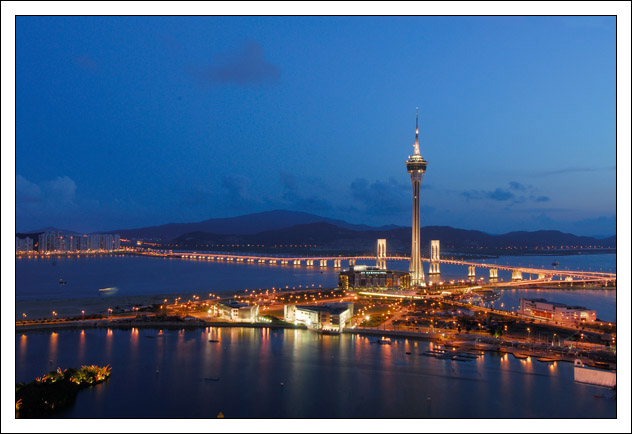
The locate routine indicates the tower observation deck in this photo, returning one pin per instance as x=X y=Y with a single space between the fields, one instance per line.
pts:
x=416 y=166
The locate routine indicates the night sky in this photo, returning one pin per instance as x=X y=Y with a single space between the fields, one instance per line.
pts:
x=126 y=122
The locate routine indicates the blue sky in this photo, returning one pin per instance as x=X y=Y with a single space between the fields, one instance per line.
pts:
x=133 y=121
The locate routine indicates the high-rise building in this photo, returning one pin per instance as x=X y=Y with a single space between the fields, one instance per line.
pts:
x=59 y=242
x=416 y=166
x=24 y=244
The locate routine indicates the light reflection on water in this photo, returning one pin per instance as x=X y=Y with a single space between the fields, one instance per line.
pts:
x=295 y=373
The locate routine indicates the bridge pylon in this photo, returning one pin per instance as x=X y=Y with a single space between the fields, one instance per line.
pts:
x=381 y=254
x=471 y=272
x=434 y=257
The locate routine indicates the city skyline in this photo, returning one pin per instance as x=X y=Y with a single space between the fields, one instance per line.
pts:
x=181 y=119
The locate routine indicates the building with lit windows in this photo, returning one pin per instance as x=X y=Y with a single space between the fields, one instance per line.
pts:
x=540 y=308
x=23 y=244
x=55 y=241
x=238 y=312
x=365 y=276
x=331 y=317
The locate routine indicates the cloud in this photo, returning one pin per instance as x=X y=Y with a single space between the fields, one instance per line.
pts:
x=515 y=194
x=384 y=198
x=500 y=194
x=517 y=186
x=575 y=170
x=62 y=189
x=46 y=201
x=246 y=66
x=26 y=191
x=59 y=191
x=236 y=188
x=294 y=197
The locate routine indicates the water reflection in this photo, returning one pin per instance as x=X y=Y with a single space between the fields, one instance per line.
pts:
x=133 y=344
x=81 y=350
x=109 y=337
x=331 y=376
x=22 y=353
x=52 y=348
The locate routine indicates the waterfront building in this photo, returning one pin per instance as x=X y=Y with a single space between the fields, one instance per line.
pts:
x=23 y=244
x=55 y=241
x=541 y=308
x=329 y=317
x=238 y=312
x=94 y=242
x=365 y=276
x=416 y=166
x=46 y=241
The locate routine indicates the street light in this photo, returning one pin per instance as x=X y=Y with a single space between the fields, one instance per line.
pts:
x=83 y=312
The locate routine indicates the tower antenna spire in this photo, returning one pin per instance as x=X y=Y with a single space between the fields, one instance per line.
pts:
x=417 y=123
x=416 y=145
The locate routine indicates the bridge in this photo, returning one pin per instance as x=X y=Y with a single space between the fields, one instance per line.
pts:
x=324 y=261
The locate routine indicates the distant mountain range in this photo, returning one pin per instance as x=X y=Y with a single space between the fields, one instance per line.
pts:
x=242 y=225
x=326 y=236
x=281 y=227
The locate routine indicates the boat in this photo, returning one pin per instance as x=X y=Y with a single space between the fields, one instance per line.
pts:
x=62 y=281
x=384 y=341
x=105 y=290
x=213 y=340
x=597 y=377
x=520 y=356
x=555 y=263
x=330 y=332
x=548 y=359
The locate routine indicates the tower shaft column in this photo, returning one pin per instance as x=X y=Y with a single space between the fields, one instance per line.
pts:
x=417 y=277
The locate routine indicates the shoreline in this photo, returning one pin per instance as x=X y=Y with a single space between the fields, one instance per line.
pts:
x=471 y=342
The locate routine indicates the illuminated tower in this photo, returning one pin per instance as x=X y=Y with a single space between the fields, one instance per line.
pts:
x=416 y=166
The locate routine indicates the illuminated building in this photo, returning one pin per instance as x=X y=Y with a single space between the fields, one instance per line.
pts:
x=540 y=308
x=329 y=317
x=55 y=241
x=416 y=166
x=23 y=244
x=365 y=276
x=238 y=312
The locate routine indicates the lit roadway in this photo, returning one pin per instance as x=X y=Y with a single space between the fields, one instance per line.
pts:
x=584 y=276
